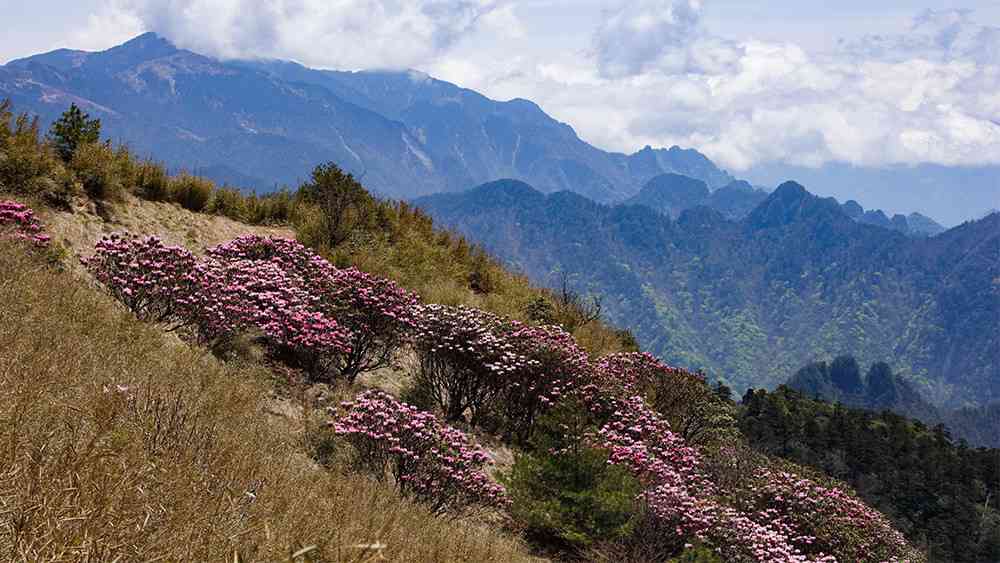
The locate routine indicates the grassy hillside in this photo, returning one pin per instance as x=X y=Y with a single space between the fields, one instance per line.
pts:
x=119 y=442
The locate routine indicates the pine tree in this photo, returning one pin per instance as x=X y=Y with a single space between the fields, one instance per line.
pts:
x=72 y=129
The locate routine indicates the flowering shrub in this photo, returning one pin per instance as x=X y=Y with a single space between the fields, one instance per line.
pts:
x=219 y=297
x=326 y=320
x=464 y=353
x=555 y=364
x=773 y=516
x=239 y=295
x=380 y=315
x=683 y=398
x=19 y=221
x=475 y=361
x=429 y=461
x=824 y=519
x=678 y=491
x=287 y=254
x=376 y=315
x=156 y=282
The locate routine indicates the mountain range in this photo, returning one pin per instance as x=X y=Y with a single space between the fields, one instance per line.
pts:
x=263 y=123
x=672 y=193
x=751 y=300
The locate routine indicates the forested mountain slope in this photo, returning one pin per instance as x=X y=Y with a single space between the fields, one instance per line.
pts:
x=751 y=301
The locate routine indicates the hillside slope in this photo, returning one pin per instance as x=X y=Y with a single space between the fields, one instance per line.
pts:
x=118 y=443
x=249 y=349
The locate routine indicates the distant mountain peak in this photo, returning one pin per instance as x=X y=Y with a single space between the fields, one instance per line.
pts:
x=790 y=191
x=145 y=47
x=741 y=186
x=149 y=39
x=791 y=202
x=506 y=189
x=671 y=193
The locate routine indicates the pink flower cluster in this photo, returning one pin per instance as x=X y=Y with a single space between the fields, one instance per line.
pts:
x=311 y=314
x=246 y=295
x=18 y=221
x=429 y=460
x=481 y=363
x=380 y=315
x=376 y=317
x=632 y=372
x=463 y=353
x=153 y=280
x=679 y=492
x=556 y=365
x=836 y=521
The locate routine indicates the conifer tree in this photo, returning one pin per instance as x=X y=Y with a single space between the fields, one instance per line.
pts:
x=72 y=129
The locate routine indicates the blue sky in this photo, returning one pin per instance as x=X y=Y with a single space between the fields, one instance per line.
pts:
x=751 y=83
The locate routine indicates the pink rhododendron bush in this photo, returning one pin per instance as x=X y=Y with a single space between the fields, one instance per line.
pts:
x=379 y=315
x=683 y=398
x=464 y=358
x=18 y=221
x=494 y=369
x=429 y=460
x=153 y=280
x=328 y=321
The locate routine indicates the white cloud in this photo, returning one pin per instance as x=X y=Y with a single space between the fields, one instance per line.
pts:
x=642 y=35
x=327 y=33
x=655 y=76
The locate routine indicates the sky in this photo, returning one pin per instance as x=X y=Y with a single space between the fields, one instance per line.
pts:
x=748 y=82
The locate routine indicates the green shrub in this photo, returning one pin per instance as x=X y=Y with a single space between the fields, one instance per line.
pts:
x=311 y=227
x=482 y=279
x=152 y=182
x=569 y=501
x=27 y=164
x=98 y=170
x=272 y=208
x=228 y=202
x=191 y=192
x=344 y=201
x=73 y=130
x=126 y=168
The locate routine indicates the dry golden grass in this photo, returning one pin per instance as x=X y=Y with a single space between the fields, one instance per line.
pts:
x=81 y=228
x=120 y=444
